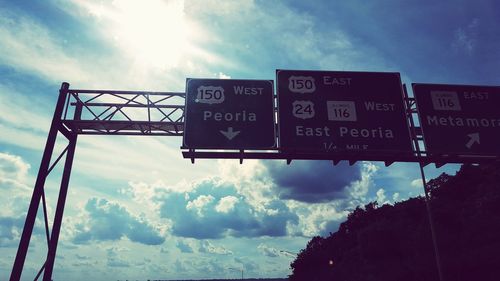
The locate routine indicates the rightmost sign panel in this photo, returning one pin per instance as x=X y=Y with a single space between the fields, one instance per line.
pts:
x=459 y=119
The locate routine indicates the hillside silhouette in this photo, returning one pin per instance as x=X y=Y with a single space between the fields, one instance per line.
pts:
x=394 y=242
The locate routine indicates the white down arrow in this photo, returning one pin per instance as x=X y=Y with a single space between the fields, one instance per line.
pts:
x=230 y=134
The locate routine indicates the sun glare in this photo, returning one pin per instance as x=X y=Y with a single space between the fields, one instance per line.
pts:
x=155 y=33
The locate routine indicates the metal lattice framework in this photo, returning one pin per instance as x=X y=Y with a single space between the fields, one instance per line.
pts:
x=92 y=112
x=125 y=113
x=107 y=112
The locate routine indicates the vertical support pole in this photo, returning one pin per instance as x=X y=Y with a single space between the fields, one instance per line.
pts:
x=150 y=129
x=431 y=223
x=61 y=201
x=56 y=228
x=39 y=185
x=411 y=123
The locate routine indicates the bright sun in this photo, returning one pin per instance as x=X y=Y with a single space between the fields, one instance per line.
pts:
x=154 y=33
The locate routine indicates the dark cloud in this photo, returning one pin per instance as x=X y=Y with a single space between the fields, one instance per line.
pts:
x=184 y=247
x=312 y=181
x=214 y=210
x=111 y=221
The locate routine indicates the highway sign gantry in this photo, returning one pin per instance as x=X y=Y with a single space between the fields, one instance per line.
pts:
x=459 y=119
x=229 y=114
x=339 y=111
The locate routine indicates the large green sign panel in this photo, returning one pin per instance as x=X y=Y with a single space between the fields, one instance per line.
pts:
x=339 y=111
x=229 y=114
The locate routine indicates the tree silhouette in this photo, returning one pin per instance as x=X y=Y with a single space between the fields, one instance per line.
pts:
x=394 y=242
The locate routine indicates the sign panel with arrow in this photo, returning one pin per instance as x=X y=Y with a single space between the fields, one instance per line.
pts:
x=229 y=114
x=459 y=119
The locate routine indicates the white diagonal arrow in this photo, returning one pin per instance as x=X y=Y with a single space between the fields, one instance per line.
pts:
x=474 y=138
x=230 y=134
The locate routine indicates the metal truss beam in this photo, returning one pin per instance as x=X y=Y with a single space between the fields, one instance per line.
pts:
x=107 y=112
x=337 y=157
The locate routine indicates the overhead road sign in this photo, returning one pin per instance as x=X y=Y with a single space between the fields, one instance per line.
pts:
x=340 y=111
x=459 y=119
x=229 y=114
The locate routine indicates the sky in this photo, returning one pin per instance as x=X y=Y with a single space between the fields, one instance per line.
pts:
x=136 y=209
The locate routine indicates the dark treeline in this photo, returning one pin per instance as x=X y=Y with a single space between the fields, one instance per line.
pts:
x=387 y=242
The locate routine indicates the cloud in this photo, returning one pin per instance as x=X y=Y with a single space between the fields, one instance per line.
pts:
x=214 y=209
x=117 y=262
x=255 y=187
x=10 y=230
x=251 y=181
x=256 y=182
x=180 y=266
x=381 y=199
x=132 y=38
x=29 y=46
x=85 y=263
x=268 y=251
x=108 y=221
x=465 y=38
x=226 y=204
x=146 y=32
x=209 y=248
x=13 y=168
x=24 y=112
x=141 y=38
x=319 y=218
x=395 y=197
x=214 y=266
x=200 y=203
x=114 y=259
x=417 y=183
x=82 y=257
x=14 y=200
x=325 y=215
x=184 y=246
x=281 y=35
x=223 y=76
x=247 y=201
x=359 y=188
x=313 y=181
x=248 y=264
